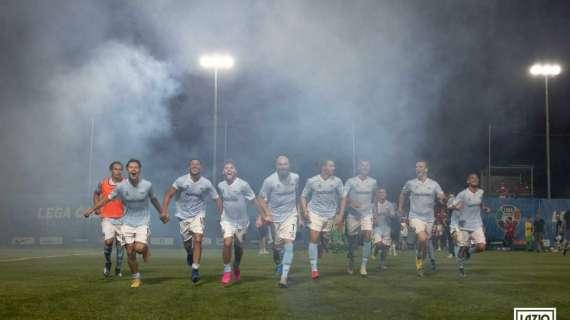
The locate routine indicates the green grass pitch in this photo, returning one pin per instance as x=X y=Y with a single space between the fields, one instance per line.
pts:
x=67 y=286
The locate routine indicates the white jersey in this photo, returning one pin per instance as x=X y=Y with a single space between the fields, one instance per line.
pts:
x=191 y=196
x=361 y=191
x=135 y=200
x=422 y=198
x=281 y=195
x=325 y=195
x=235 y=197
x=386 y=212
x=470 y=214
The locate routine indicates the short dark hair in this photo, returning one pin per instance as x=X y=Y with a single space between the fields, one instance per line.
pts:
x=134 y=161
x=230 y=161
x=324 y=162
x=114 y=163
x=281 y=155
x=195 y=159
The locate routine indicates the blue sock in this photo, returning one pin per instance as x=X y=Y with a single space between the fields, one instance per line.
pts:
x=430 y=249
x=313 y=253
x=287 y=259
x=120 y=253
x=382 y=255
x=107 y=252
x=366 y=247
x=462 y=257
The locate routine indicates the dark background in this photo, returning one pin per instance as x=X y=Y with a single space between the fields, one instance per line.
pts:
x=419 y=79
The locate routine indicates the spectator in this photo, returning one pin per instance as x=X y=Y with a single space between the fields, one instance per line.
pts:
x=566 y=219
x=447 y=225
x=558 y=230
x=538 y=230
x=510 y=227
x=528 y=234
x=503 y=190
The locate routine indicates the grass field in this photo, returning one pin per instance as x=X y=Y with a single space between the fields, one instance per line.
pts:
x=66 y=286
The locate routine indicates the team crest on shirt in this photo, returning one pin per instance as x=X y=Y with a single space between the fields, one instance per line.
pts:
x=506 y=211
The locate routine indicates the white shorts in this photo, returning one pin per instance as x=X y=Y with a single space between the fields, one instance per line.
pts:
x=110 y=229
x=355 y=225
x=421 y=226
x=230 y=230
x=464 y=237
x=135 y=234
x=286 y=229
x=382 y=235
x=319 y=223
x=191 y=226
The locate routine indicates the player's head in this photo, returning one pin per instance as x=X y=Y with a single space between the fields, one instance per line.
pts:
x=381 y=194
x=364 y=167
x=421 y=168
x=116 y=168
x=134 y=167
x=473 y=180
x=282 y=165
x=328 y=167
x=230 y=170
x=195 y=167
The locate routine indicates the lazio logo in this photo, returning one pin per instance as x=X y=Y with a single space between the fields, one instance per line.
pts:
x=506 y=211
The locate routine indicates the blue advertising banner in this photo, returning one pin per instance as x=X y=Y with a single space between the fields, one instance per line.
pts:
x=518 y=209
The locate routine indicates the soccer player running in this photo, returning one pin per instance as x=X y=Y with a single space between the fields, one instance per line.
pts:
x=359 y=193
x=469 y=202
x=111 y=215
x=191 y=192
x=322 y=210
x=135 y=193
x=422 y=191
x=235 y=194
x=278 y=199
x=384 y=212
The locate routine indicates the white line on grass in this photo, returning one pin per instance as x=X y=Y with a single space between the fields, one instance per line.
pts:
x=46 y=257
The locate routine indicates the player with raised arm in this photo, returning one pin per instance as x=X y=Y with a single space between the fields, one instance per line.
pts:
x=469 y=202
x=135 y=194
x=191 y=192
x=235 y=194
x=111 y=216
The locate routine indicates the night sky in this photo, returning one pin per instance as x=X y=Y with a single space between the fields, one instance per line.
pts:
x=419 y=80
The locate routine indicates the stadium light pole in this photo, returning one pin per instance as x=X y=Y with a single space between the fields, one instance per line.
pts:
x=216 y=62
x=546 y=71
